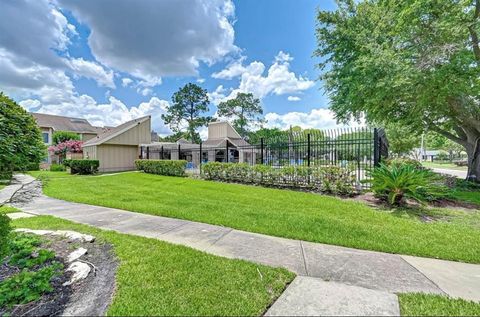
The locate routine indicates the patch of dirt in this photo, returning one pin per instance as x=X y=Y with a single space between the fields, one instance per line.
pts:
x=455 y=204
x=88 y=297
x=373 y=201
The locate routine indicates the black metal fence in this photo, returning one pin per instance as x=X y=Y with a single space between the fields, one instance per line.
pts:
x=355 y=148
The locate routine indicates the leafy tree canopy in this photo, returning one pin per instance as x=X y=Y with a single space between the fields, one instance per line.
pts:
x=411 y=62
x=20 y=139
x=63 y=136
x=177 y=136
x=187 y=113
x=244 y=108
x=254 y=137
x=401 y=140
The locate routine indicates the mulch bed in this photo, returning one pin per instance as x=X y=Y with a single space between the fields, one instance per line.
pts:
x=71 y=299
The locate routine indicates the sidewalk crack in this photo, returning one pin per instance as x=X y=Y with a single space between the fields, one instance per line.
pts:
x=221 y=237
x=423 y=274
x=304 y=259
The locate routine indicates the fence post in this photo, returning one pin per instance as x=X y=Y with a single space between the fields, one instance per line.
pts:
x=226 y=151
x=376 y=148
x=261 y=151
x=308 y=150
x=148 y=152
x=201 y=158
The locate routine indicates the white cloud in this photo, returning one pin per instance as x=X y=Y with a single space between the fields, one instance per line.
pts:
x=218 y=95
x=293 y=98
x=32 y=30
x=145 y=91
x=317 y=118
x=170 y=37
x=283 y=57
x=200 y=80
x=279 y=79
x=126 y=81
x=91 y=70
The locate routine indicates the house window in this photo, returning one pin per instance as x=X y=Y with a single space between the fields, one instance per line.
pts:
x=45 y=137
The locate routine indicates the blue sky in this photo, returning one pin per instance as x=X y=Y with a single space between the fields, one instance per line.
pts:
x=112 y=60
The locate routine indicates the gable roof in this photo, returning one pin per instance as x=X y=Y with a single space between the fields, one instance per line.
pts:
x=61 y=123
x=221 y=130
x=113 y=132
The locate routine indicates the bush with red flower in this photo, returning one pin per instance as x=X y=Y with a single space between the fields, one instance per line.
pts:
x=70 y=146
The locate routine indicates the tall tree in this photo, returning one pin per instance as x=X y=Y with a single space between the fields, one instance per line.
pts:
x=21 y=143
x=412 y=62
x=187 y=113
x=401 y=140
x=244 y=108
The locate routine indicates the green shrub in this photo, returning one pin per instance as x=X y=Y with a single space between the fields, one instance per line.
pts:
x=331 y=179
x=25 y=251
x=398 y=161
x=66 y=162
x=396 y=183
x=62 y=136
x=335 y=179
x=57 y=168
x=84 y=167
x=162 y=167
x=5 y=230
x=5 y=175
x=28 y=286
x=32 y=166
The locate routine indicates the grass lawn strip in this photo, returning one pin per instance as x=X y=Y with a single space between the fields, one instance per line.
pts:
x=283 y=213
x=158 y=278
x=449 y=166
x=419 y=304
x=467 y=195
x=8 y=209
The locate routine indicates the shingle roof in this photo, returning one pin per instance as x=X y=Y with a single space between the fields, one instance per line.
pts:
x=60 y=123
x=113 y=132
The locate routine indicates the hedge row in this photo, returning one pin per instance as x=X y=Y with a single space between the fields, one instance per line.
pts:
x=82 y=167
x=329 y=179
x=162 y=167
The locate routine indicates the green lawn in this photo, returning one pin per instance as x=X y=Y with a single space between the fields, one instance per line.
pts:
x=418 y=304
x=467 y=195
x=43 y=174
x=444 y=165
x=2 y=186
x=283 y=213
x=158 y=278
x=8 y=209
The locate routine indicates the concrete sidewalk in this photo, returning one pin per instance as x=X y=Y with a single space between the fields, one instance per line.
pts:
x=383 y=272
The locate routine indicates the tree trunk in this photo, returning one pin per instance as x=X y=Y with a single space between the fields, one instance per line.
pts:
x=473 y=153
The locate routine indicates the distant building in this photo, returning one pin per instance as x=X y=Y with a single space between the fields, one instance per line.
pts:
x=222 y=137
x=154 y=136
x=48 y=124
x=116 y=148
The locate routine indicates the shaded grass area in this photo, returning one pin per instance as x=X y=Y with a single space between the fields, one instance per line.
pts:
x=8 y=209
x=282 y=213
x=418 y=304
x=470 y=196
x=158 y=278
x=462 y=218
